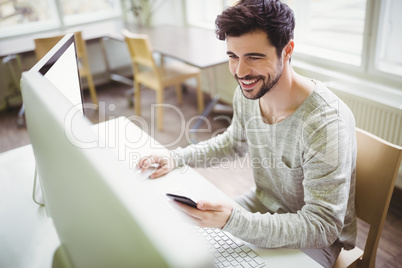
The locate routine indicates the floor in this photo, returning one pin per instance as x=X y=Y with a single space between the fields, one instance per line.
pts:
x=232 y=179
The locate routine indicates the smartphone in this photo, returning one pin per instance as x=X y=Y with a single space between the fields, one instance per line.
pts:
x=182 y=199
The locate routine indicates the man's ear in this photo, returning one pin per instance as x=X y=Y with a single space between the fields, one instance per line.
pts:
x=288 y=50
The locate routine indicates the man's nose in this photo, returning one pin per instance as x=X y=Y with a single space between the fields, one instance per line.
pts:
x=242 y=69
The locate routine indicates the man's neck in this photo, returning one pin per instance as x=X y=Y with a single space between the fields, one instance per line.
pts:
x=288 y=94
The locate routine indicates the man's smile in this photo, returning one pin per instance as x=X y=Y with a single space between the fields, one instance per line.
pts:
x=248 y=84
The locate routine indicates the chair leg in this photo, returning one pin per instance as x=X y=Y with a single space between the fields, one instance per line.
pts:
x=159 y=109
x=137 y=98
x=200 y=95
x=179 y=94
x=92 y=90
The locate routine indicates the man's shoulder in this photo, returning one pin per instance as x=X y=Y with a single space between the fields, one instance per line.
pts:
x=325 y=110
x=326 y=99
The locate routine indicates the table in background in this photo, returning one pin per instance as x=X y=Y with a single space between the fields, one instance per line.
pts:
x=192 y=45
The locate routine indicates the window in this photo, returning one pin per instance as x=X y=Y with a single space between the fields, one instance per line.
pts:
x=354 y=37
x=80 y=11
x=330 y=29
x=388 y=56
x=210 y=8
x=202 y=13
x=23 y=16
x=20 y=17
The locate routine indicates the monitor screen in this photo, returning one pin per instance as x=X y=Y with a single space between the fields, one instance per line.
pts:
x=60 y=67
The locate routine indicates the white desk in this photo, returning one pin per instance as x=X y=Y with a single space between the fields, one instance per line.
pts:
x=27 y=235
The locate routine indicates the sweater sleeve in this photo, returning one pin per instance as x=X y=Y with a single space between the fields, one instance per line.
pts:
x=226 y=146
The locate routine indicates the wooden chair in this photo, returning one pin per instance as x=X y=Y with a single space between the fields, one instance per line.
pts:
x=147 y=73
x=43 y=45
x=377 y=167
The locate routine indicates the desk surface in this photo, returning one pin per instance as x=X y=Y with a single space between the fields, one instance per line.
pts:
x=28 y=237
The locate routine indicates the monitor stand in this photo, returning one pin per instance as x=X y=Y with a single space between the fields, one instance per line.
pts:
x=61 y=259
x=37 y=195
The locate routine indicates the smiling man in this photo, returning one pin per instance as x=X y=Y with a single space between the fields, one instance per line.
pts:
x=299 y=136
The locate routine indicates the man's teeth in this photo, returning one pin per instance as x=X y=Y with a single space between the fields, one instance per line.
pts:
x=248 y=82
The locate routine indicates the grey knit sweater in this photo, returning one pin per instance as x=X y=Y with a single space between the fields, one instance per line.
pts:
x=303 y=167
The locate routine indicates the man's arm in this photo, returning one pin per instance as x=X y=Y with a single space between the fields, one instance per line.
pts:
x=327 y=189
x=228 y=146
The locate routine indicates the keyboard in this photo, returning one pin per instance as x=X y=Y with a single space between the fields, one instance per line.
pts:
x=226 y=250
x=229 y=251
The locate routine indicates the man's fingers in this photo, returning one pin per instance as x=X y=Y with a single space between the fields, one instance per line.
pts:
x=184 y=213
x=159 y=172
x=208 y=214
x=193 y=212
x=163 y=165
x=148 y=161
x=208 y=205
x=143 y=162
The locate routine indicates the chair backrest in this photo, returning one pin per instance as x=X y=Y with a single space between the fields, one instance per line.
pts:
x=377 y=167
x=140 y=50
x=43 y=45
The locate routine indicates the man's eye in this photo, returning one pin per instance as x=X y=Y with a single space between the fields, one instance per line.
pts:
x=233 y=56
x=254 y=58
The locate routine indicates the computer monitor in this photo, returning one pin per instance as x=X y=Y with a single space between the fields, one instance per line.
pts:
x=102 y=215
x=61 y=67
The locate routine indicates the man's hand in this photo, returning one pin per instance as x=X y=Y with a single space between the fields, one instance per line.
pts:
x=209 y=214
x=164 y=164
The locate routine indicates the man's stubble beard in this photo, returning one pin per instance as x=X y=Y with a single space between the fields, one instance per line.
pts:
x=267 y=85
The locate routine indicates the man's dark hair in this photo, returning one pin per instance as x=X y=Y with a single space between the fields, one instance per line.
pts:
x=276 y=19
